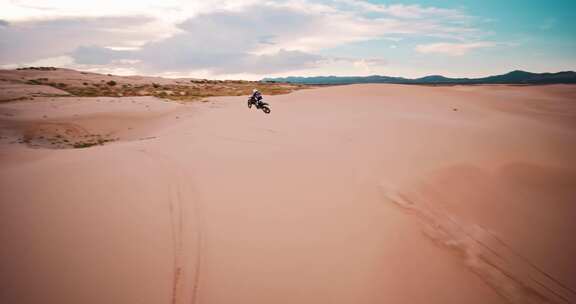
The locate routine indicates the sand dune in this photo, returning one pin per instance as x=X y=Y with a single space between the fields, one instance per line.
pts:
x=349 y=194
x=29 y=83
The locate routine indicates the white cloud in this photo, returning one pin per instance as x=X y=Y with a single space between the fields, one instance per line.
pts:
x=26 y=41
x=369 y=65
x=169 y=10
x=60 y=61
x=221 y=37
x=453 y=49
x=270 y=38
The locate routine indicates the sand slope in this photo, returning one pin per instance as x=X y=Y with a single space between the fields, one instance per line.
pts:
x=350 y=194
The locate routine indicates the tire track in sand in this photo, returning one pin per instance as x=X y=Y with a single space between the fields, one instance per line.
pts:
x=510 y=274
x=175 y=176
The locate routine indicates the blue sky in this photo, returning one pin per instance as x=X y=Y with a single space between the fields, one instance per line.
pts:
x=532 y=35
x=252 y=39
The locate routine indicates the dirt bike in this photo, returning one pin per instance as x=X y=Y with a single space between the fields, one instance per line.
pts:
x=260 y=105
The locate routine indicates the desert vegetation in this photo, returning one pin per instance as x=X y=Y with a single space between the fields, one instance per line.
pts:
x=86 y=84
x=62 y=135
x=62 y=142
x=179 y=92
x=37 y=68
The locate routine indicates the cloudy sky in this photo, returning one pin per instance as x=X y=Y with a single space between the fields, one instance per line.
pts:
x=252 y=39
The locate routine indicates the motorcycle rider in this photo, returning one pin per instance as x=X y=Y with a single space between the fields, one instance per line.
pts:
x=256 y=97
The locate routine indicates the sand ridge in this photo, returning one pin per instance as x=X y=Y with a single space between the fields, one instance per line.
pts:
x=66 y=123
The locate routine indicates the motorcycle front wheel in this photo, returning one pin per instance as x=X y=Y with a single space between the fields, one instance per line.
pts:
x=266 y=110
x=249 y=105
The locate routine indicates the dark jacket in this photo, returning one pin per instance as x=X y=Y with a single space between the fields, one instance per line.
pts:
x=256 y=96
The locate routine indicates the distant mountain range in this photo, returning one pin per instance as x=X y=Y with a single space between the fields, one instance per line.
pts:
x=514 y=77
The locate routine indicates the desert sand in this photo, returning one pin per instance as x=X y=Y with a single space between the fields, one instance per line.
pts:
x=348 y=194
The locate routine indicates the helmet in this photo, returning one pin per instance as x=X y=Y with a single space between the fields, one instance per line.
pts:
x=255 y=90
